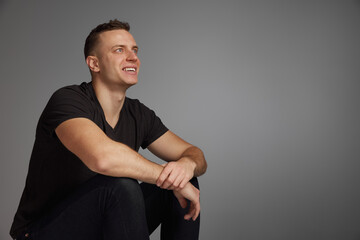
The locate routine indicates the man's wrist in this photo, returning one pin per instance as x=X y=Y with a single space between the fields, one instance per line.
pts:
x=192 y=164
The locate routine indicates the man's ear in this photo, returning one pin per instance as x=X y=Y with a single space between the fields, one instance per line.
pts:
x=93 y=63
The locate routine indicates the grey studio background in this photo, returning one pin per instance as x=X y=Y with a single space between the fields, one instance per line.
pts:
x=268 y=89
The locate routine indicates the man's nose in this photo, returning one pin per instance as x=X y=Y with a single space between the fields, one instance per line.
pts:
x=131 y=56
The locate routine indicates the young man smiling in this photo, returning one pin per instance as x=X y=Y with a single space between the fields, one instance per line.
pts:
x=83 y=172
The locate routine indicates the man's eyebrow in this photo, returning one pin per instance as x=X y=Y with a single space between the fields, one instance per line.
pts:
x=124 y=46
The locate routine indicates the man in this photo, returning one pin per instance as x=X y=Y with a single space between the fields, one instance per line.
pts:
x=83 y=172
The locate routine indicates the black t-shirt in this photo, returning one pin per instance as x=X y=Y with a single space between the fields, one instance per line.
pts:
x=54 y=172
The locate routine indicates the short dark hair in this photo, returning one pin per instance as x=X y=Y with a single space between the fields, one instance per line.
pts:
x=93 y=36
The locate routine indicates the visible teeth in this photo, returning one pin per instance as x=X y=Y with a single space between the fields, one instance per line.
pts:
x=129 y=69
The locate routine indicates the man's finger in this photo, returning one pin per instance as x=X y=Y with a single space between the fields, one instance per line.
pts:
x=163 y=175
x=197 y=212
x=183 y=183
x=177 y=181
x=191 y=212
x=168 y=182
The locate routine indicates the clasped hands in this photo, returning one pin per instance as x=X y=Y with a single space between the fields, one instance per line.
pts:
x=176 y=176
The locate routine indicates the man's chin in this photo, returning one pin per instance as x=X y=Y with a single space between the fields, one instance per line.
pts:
x=134 y=82
x=129 y=84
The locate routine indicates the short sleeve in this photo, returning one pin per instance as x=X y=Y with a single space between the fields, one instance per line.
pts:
x=153 y=126
x=66 y=103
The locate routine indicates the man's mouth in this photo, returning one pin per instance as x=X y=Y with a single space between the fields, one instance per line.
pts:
x=129 y=69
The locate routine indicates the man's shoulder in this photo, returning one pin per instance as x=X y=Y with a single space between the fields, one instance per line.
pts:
x=73 y=97
x=83 y=88
x=67 y=102
x=73 y=94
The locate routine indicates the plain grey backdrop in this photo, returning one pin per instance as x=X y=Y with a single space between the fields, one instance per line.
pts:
x=269 y=89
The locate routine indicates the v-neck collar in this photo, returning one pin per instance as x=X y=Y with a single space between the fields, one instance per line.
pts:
x=102 y=111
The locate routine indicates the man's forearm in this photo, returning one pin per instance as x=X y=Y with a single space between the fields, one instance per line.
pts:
x=104 y=155
x=119 y=160
x=195 y=155
x=177 y=173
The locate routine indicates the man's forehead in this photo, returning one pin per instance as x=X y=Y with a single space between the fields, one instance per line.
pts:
x=116 y=37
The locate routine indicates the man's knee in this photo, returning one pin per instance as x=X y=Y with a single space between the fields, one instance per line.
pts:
x=119 y=182
x=122 y=207
x=121 y=188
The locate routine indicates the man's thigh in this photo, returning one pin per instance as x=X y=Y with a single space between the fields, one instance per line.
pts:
x=99 y=209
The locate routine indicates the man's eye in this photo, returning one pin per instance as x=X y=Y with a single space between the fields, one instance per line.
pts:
x=135 y=50
x=119 y=50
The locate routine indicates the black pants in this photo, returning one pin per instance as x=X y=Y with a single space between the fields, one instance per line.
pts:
x=115 y=208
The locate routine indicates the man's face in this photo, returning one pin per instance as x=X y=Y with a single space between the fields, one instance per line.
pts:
x=117 y=55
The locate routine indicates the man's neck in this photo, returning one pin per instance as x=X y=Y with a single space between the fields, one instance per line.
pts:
x=111 y=100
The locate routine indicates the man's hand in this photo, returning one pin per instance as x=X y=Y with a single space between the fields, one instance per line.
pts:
x=184 y=161
x=176 y=174
x=193 y=194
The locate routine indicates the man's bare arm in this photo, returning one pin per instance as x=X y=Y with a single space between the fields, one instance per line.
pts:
x=105 y=156
x=185 y=161
x=197 y=156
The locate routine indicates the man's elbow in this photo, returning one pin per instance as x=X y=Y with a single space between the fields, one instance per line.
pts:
x=100 y=163
x=110 y=160
x=202 y=164
x=100 y=166
x=204 y=167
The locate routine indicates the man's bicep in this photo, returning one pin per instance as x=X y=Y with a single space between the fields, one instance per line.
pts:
x=169 y=146
x=84 y=138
